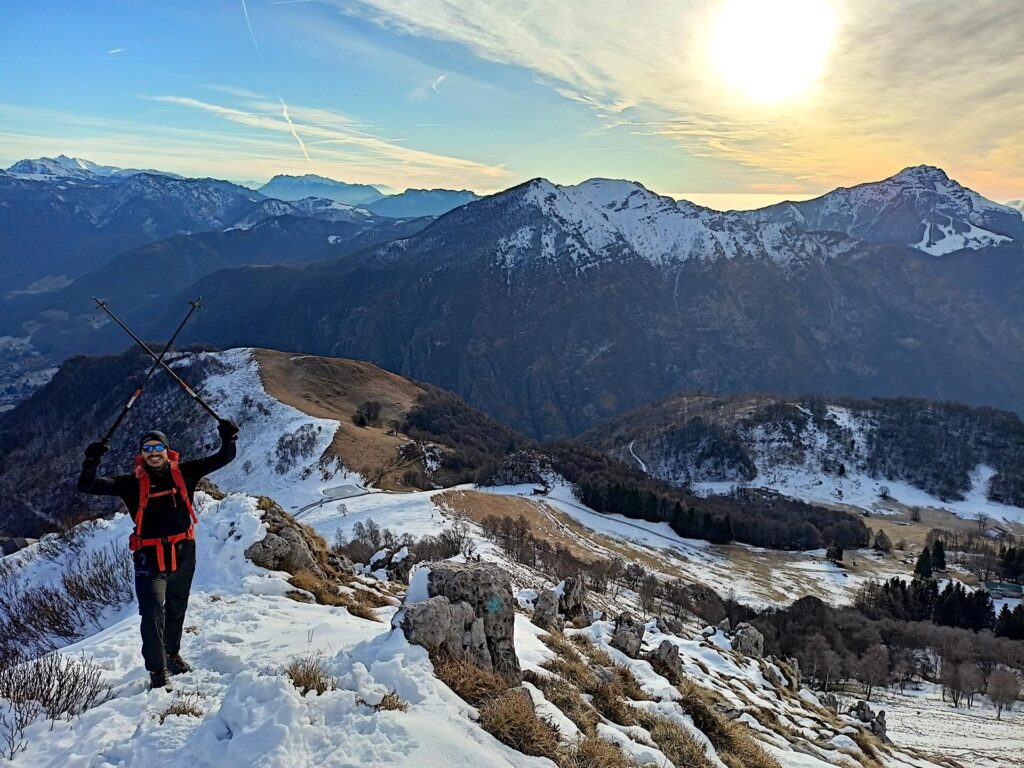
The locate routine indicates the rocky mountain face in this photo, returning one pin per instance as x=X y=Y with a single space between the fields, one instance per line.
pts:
x=284 y=187
x=919 y=207
x=553 y=308
x=52 y=226
x=936 y=447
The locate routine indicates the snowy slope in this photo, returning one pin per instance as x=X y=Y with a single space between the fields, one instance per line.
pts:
x=603 y=219
x=919 y=207
x=64 y=167
x=240 y=630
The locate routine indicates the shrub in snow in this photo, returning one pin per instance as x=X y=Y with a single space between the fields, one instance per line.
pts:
x=308 y=673
x=62 y=686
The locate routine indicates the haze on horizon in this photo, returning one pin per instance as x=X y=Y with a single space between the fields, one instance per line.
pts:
x=729 y=103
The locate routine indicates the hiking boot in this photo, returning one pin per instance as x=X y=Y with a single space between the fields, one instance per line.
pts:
x=177 y=665
x=159 y=679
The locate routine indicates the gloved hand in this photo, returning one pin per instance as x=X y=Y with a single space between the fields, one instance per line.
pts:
x=227 y=429
x=94 y=451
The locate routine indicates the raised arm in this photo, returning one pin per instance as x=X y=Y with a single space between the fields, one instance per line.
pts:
x=199 y=468
x=89 y=481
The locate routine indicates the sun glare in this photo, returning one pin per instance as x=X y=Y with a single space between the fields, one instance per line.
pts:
x=771 y=51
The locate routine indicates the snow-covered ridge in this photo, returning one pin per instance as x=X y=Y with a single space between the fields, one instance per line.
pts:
x=919 y=207
x=602 y=219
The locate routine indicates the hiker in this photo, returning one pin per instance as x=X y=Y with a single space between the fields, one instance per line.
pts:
x=159 y=496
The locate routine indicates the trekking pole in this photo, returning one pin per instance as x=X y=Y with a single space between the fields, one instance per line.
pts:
x=188 y=390
x=149 y=374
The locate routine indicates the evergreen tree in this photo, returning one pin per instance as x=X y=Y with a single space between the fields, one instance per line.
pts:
x=834 y=552
x=882 y=542
x=938 y=556
x=923 y=568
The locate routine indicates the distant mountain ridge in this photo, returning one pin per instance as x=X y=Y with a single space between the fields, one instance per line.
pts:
x=285 y=187
x=553 y=307
x=422 y=202
x=692 y=439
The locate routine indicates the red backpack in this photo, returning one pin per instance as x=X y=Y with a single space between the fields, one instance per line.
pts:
x=135 y=541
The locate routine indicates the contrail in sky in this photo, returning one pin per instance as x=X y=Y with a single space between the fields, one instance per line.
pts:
x=249 y=25
x=284 y=111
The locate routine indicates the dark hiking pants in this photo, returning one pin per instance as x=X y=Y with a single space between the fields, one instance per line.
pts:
x=163 y=598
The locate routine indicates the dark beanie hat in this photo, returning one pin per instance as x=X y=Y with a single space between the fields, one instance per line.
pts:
x=154 y=435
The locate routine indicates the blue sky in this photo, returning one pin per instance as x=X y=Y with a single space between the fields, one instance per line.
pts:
x=703 y=99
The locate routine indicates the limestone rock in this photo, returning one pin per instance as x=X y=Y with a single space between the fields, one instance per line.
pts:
x=748 y=641
x=875 y=722
x=572 y=602
x=830 y=700
x=487 y=589
x=725 y=625
x=670 y=625
x=289 y=545
x=628 y=635
x=666 y=657
x=440 y=626
x=545 y=610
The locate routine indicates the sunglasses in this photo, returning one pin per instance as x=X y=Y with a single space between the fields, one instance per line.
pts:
x=155 y=448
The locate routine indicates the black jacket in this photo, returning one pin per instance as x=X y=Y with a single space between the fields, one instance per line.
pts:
x=164 y=515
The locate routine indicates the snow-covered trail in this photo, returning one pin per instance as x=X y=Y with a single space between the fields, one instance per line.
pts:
x=239 y=631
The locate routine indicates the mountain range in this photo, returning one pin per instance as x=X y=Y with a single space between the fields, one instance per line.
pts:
x=553 y=308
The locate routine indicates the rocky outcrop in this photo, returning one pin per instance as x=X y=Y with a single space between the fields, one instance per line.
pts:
x=724 y=625
x=545 y=611
x=875 y=722
x=794 y=679
x=830 y=700
x=442 y=626
x=628 y=635
x=665 y=659
x=572 y=602
x=522 y=468
x=555 y=606
x=748 y=641
x=670 y=625
x=290 y=546
x=479 y=609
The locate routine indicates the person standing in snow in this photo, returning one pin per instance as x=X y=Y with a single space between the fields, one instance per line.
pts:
x=158 y=495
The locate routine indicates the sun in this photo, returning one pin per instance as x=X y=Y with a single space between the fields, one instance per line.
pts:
x=771 y=51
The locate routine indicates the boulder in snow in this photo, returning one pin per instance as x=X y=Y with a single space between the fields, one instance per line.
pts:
x=748 y=640
x=628 y=634
x=666 y=657
x=545 y=610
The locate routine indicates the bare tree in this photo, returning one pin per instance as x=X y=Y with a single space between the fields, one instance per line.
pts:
x=873 y=669
x=972 y=681
x=1003 y=690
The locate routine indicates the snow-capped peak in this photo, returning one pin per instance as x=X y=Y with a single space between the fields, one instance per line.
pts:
x=600 y=219
x=920 y=207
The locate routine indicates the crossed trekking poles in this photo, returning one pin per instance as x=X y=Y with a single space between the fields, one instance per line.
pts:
x=158 y=362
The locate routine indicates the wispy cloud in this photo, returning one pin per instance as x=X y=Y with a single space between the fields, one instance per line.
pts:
x=903 y=84
x=114 y=51
x=345 y=147
x=436 y=85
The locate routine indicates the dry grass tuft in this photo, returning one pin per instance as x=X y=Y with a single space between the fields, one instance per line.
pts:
x=592 y=752
x=511 y=720
x=472 y=683
x=186 y=705
x=732 y=741
x=307 y=673
x=574 y=671
x=560 y=644
x=567 y=698
x=360 y=603
x=678 y=744
x=392 y=702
